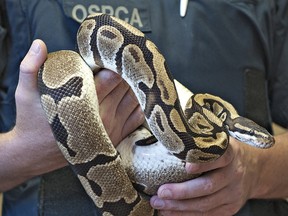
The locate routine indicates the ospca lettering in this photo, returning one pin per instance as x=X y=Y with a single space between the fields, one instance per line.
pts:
x=80 y=12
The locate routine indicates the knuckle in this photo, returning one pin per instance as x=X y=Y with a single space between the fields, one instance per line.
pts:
x=132 y=97
x=209 y=185
x=106 y=80
x=108 y=76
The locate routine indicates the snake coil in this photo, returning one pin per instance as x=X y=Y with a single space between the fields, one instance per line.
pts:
x=69 y=99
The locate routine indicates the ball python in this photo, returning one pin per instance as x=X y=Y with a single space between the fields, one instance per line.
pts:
x=68 y=97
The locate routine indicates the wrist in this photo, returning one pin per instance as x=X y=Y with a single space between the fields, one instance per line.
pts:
x=11 y=172
x=25 y=155
x=259 y=187
x=272 y=178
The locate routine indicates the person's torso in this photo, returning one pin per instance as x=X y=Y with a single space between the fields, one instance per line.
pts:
x=205 y=50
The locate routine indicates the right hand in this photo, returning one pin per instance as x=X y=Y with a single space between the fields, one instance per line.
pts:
x=119 y=108
x=33 y=143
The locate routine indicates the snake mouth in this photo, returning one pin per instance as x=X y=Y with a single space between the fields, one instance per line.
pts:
x=267 y=142
x=255 y=141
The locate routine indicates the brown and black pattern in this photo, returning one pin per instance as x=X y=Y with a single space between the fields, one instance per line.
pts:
x=69 y=99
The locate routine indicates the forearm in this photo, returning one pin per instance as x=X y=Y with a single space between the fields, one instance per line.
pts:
x=24 y=157
x=273 y=173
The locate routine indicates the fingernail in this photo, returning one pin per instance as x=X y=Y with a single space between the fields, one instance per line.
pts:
x=35 y=48
x=166 y=193
x=158 y=203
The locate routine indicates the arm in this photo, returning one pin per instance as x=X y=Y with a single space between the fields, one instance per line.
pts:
x=242 y=173
x=272 y=179
x=29 y=149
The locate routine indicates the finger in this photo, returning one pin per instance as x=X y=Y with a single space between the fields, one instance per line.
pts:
x=203 y=185
x=127 y=111
x=170 y=205
x=225 y=159
x=202 y=204
x=106 y=81
x=111 y=101
x=30 y=65
x=135 y=119
x=127 y=104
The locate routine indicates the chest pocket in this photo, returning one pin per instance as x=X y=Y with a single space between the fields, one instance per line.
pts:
x=137 y=13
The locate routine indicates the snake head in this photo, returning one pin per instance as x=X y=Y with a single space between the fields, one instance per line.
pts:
x=247 y=131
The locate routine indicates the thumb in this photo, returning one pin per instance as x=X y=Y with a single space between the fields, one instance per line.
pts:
x=30 y=65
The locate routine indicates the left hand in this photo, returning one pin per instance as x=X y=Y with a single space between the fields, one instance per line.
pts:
x=221 y=190
x=118 y=106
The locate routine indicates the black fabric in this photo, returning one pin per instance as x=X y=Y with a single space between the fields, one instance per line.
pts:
x=22 y=200
x=4 y=43
x=3 y=37
x=256 y=95
x=61 y=197
x=264 y=208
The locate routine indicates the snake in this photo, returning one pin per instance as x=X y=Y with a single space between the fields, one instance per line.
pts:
x=191 y=130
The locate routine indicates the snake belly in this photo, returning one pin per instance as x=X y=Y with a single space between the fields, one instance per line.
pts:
x=69 y=99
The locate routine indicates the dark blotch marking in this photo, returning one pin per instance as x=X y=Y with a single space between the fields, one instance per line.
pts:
x=108 y=34
x=151 y=98
x=115 y=208
x=134 y=54
x=202 y=126
x=140 y=188
x=217 y=150
x=71 y=88
x=83 y=169
x=90 y=26
x=159 y=121
x=165 y=91
x=61 y=135
x=147 y=141
x=96 y=188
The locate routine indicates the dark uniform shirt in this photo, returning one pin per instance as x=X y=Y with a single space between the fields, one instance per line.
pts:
x=236 y=49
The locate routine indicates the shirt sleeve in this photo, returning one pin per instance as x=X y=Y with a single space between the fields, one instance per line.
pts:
x=279 y=74
x=4 y=43
x=3 y=38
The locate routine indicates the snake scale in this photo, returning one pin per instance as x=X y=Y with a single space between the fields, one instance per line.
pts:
x=69 y=99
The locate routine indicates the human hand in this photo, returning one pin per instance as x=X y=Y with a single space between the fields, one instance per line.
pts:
x=222 y=189
x=32 y=135
x=119 y=108
x=29 y=149
x=34 y=138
